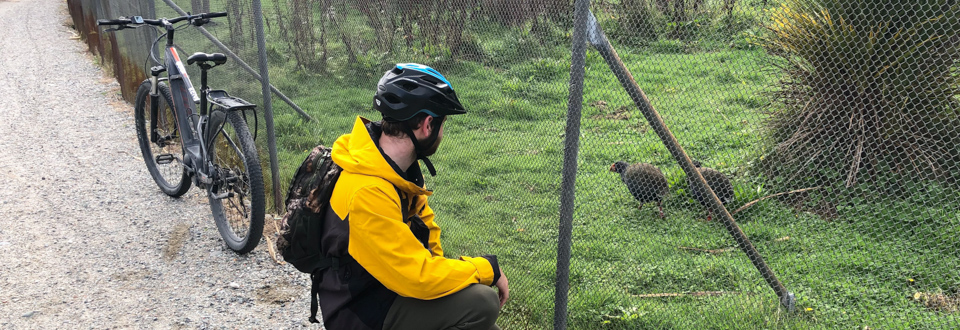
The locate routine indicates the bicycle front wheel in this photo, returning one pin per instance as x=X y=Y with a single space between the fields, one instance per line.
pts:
x=159 y=139
x=236 y=196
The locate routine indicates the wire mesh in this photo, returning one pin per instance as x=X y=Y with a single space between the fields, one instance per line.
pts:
x=828 y=128
x=778 y=101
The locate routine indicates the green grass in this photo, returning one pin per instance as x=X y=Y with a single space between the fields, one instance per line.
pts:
x=498 y=191
x=498 y=186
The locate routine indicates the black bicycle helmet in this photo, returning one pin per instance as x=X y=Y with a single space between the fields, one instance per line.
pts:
x=410 y=88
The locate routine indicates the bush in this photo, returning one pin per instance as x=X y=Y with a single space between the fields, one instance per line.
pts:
x=639 y=20
x=865 y=88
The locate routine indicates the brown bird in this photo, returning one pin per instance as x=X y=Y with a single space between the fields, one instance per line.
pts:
x=717 y=181
x=645 y=182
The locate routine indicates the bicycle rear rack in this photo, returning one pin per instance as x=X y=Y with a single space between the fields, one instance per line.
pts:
x=227 y=102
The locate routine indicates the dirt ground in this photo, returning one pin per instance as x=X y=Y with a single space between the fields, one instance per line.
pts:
x=87 y=240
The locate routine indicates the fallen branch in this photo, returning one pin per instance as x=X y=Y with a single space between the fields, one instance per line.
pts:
x=686 y=294
x=271 y=247
x=726 y=249
x=273 y=252
x=747 y=205
x=716 y=251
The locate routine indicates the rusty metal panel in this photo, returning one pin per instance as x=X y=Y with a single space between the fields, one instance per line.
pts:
x=123 y=53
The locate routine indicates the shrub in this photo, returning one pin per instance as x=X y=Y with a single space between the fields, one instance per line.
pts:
x=640 y=20
x=865 y=88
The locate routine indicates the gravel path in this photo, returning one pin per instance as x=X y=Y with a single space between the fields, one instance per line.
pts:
x=87 y=240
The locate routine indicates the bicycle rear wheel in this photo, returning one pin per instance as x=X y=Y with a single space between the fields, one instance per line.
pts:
x=236 y=196
x=162 y=153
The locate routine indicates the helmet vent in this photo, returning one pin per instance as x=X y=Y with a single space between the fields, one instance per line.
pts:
x=407 y=85
x=391 y=98
x=431 y=80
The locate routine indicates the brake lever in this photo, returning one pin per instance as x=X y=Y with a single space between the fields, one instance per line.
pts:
x=118 y=28
x=199 y=21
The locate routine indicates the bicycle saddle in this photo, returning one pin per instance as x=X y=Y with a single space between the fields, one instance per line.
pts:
x=201 y=58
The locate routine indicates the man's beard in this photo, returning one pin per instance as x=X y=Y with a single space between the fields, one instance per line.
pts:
x=432 y=149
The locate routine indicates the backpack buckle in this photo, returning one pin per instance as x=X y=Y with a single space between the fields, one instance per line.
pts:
x=335 y=263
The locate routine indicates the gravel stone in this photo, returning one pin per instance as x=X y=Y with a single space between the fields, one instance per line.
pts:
x=83 y=227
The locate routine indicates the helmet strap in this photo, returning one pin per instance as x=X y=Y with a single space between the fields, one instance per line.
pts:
x=420 y=150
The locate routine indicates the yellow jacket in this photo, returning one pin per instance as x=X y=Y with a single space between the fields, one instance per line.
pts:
x=369 y=196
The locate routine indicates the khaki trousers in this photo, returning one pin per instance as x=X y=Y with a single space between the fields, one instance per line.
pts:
x=473 y=308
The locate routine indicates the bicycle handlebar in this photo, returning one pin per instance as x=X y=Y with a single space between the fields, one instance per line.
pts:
x=198 y=18
x=113 y=21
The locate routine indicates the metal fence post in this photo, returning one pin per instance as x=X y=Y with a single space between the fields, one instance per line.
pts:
x=571 y=151
x=267 y=104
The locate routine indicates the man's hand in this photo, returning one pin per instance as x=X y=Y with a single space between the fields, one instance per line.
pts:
x=502 y=288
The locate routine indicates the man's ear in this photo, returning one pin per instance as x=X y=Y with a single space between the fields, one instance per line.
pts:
x=424 y=128
x=427 y=125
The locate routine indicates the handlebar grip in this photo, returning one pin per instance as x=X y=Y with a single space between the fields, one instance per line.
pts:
x=113 y=21
x=212 y=15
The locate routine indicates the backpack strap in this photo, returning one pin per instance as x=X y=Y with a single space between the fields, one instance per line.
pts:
x=316 y=277
x=314 y=297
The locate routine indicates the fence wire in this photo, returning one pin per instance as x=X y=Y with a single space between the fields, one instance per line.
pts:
x=828 y=128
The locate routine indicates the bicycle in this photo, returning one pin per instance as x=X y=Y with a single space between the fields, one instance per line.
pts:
x=212 y=148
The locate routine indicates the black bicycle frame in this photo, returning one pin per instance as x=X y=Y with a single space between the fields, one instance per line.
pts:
x=185 y=99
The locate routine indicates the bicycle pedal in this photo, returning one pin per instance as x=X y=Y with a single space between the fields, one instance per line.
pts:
x=164 y=159
x=225 y=194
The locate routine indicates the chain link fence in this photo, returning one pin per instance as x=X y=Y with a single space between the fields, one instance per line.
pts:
x=828 y=130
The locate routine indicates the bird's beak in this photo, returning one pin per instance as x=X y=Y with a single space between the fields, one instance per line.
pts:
x=613 y=167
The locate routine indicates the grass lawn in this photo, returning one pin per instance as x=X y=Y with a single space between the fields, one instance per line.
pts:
x=498 y=188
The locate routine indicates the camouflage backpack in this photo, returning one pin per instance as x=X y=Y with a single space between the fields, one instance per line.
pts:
x=302 y=226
